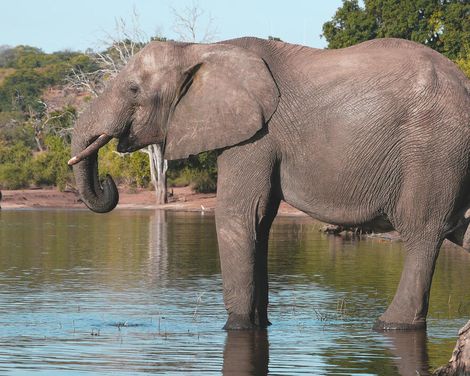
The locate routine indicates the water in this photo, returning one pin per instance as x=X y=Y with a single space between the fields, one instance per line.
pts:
x=139 y=292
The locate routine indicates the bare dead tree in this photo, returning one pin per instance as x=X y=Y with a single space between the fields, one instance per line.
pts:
x=46 y=122
x=52 y=119
x=188 y=22
x=89 y=82
x=37 y=125
x=119 y=48
x=158 y=170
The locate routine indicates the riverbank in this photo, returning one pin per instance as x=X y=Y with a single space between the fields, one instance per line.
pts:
x=181 y=198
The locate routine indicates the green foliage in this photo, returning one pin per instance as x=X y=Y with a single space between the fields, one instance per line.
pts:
x=20 y=90
x=21 y=165
x=15 y=165
x=464 y=63
x=49 y=168
x=5 y=72
x=14 y=129
x=204 y=182
x=350 y=25
x=21 y=168
x=132 y=170
x=60 y=122
x=441 y=25
x=199 y=171
x=455 y=37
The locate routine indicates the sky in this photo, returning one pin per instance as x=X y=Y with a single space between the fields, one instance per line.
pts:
x=55 y=25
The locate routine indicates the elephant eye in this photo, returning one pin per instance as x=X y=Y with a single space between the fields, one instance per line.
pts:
x=134 y=88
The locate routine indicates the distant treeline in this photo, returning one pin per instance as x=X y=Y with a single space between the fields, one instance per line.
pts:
x=38 y=106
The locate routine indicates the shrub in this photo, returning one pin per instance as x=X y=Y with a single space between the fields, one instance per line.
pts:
x=50 y=167
x=204 y=182
x=15 y=165
x=14 y=176
x=131 y=170
x=200 y=172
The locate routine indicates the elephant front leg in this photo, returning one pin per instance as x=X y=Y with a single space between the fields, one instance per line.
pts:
x=248 y=197
x=244 y=272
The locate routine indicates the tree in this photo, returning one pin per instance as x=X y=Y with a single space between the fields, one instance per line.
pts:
x=350 y=25
x=443 y=25
x=158 y=170
x=187 y=25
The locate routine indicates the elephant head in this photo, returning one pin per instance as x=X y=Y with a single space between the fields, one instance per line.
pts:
x=189 y=98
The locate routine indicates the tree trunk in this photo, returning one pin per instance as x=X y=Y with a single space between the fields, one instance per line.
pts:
x=459 y=364
x=158 y=169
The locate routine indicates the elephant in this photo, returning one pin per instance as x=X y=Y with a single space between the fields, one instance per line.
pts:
x=375 y=135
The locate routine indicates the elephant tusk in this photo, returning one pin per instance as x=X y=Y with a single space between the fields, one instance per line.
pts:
x=90 y=149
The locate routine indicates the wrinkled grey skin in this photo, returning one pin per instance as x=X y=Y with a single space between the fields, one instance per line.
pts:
x=375 y=135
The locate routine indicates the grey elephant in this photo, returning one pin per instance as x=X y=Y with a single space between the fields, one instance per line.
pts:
x=374 y=135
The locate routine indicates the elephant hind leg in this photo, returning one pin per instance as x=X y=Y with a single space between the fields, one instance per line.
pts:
x=422 y=240
x=423 y=217
x=409 y=307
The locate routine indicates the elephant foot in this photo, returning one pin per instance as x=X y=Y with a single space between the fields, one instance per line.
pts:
x=381 y=325
x=243 y=322
x=261 y=320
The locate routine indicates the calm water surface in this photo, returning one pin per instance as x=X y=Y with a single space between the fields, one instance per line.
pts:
x=139 y=292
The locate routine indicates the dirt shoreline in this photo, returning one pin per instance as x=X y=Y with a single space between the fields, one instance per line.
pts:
x=181 y=199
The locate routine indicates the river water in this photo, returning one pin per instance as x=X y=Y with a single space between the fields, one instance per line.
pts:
x=139 y=292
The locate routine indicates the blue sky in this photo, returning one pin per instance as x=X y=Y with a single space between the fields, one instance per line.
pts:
x=79 y=24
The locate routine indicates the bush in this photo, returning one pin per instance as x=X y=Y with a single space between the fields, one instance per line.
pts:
x=14 y=129
x=14 y=176
x=50 y=167
x=204 y=182
x=19 y=167
x=132 y=170
x=200 y=172
x=15 y=165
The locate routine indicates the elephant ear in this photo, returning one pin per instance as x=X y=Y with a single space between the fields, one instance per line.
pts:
x=227 y=96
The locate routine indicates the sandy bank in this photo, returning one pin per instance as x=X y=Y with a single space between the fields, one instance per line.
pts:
x=182 y=199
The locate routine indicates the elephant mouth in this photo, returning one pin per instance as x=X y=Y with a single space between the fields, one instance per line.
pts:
x=127 y=144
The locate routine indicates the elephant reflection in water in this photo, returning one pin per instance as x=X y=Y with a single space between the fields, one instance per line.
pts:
x=246 y=353
x=410 y=352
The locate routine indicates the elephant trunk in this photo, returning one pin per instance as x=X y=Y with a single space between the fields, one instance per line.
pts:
x=101 y=197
